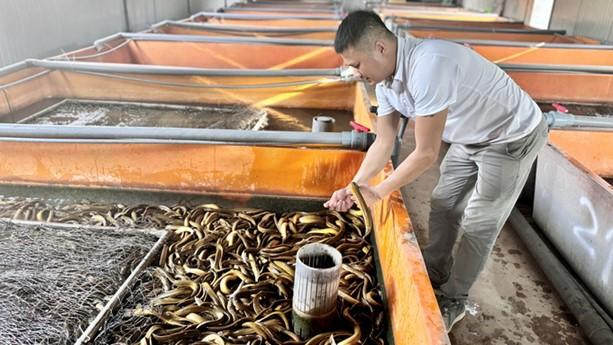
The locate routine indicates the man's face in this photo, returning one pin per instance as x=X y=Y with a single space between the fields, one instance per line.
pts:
x=370 y=63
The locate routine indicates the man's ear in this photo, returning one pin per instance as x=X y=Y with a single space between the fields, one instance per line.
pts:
x=380 y=47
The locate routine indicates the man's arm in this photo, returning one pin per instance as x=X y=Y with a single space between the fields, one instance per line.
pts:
x=428 y=136
x=377 y=156
x=379 y=153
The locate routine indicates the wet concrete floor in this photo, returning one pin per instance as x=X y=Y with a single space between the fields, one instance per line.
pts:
x=512 y=303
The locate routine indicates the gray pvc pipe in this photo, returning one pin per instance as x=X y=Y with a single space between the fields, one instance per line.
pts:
x=534 y=44
x=295 y=3
x=323 y=123
x=573 y=295
x=169 y=70
x=329 y=10
x=481 y=29
x=352 y=140
x=557 y=68
x=260 y=17
x=100 y=44
x=557 y=119
x=13 y=68
x=251 y=28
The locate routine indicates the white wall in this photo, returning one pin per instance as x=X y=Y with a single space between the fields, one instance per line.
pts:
x=541 y=14
x=143 y=13
x=42 y=28
x=489 y=6
x=590 y=18
x=209 y=5
x=517 y=9
x=35 y=28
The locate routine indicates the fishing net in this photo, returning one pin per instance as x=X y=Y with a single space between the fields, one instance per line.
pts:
x=226 y=275
x=128 y=324
x=55 y=280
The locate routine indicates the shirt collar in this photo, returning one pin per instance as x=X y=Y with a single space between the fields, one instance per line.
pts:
x=404 y=47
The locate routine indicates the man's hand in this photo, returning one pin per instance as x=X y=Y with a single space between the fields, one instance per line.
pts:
x=341 y=200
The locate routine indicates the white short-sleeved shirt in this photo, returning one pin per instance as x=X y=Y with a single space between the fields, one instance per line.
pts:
x=484 y=104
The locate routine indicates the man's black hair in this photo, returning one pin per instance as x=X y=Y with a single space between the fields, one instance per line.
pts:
x=354 y=27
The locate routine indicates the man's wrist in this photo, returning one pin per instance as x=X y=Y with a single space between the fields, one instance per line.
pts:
x=380 y=190
x=360 y=182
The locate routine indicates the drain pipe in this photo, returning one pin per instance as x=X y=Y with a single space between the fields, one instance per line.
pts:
x=126 y=15
x=593 y=324
x=322 y=123
x=557 y=119
x=54 y=133
x=316 y=281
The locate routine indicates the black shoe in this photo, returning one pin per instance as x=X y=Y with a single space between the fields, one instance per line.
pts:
x=452 y=310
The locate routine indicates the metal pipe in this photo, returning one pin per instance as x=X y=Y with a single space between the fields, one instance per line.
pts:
x=226 y=86
x=557 y=119
x=74 y=56
x=170 y=70
x=285 y=5
x=533 y=44
x=299 y=3
x=246 y=28
x=481 y=29
x=13 y=68
x=23 y=132
x=425 y=11
x=404 y=121
x=260 y=17
x=331 y=11
x=557 y=68
x=126 y=15
x=571 y=292
x=99 y=44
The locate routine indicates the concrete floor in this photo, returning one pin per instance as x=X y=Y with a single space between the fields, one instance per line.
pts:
x=512 y=303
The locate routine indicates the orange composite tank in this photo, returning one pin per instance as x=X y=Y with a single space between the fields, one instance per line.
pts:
x=459 y=23
x=228 y=170
x=277 y=20
x=210 y=52
x=282 y=11
x=545 y=54
x=527 y=36
x=247 y=29
x=452 y=14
